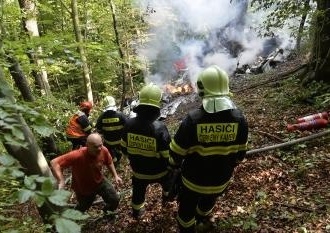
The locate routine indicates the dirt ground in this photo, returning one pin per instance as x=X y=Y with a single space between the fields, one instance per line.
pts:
x=282 y=190
x=278 y=191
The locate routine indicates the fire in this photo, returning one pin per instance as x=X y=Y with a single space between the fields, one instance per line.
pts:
x=182 y=89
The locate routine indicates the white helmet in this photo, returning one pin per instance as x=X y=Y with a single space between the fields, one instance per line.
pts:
x=109 y=101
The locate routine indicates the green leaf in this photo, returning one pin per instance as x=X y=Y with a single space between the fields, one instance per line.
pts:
x=43 y=130
x=18 y=133
x=40 y=200
x=10 y=120
x=66 y=226
x=47 y=187
x=74 y=214
x=3 y=114
x=8 y=139
x=41 y=179
x=24 y=195
x=59 y=197
x=29 y=182
x=17 y=173
x=7 y=160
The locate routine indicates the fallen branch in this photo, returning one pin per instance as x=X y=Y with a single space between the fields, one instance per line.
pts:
x=310 y=137
x=319 y=210
x=279 y=77
x=269 y=135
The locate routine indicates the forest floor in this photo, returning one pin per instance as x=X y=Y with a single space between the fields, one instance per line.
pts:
x=282 y=190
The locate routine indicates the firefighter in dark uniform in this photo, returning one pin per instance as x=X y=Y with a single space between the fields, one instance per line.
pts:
x=79 y=126
x=146 y=142
x=110 y=124
x=207 y=146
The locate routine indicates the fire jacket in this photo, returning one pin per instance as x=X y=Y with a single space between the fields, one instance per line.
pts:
x=147 y=146
x=208 y=147
x=79 y=125
x=110 y=124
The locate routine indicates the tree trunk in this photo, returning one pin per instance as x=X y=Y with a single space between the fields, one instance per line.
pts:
x=30 y=156
x=19 y=78
x=302 y=24
x=25 y=90
x=120 y=51
x=321 y=50
x=79 y=40
x=29 y=20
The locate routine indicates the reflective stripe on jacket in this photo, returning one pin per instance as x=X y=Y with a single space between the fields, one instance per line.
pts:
x=147 y=146
x=208 y=146
x=110 y=124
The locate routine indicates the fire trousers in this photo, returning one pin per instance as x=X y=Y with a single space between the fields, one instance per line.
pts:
x=193 y=207
x=140 y=187
x=106 y=191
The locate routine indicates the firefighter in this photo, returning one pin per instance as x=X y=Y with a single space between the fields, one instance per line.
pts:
x=146 y=142
x=86 y=165
x=79 y=126
x=110 y=124
x=209 y=143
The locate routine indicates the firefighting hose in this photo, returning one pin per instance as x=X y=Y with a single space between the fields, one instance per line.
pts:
x=289 y=143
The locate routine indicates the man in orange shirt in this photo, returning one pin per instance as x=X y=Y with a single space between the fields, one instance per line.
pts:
x=88 y=180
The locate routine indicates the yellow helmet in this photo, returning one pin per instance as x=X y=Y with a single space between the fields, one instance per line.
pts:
x=213 y=81
x=150 y=95
x=213 y=87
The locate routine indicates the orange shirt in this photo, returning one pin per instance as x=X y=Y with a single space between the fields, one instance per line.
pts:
x=86 y=170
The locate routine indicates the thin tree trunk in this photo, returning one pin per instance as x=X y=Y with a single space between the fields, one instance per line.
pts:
x=81 y=49
x=302 y=24
x=29 y=20
x=120 y=51
x=20 y=79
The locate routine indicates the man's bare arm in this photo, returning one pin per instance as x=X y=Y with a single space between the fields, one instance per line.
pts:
x=57 y=172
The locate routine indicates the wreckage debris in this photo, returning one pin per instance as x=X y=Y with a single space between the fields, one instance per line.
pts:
x=262 y=64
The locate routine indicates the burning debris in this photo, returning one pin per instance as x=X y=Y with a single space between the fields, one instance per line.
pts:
x=170 y=108
x=262 y=64
x=180 y=86
x=176 y=92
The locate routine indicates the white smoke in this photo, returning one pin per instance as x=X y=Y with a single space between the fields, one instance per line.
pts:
x=197 y=31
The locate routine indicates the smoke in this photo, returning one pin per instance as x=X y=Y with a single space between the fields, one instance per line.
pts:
x=191 y=35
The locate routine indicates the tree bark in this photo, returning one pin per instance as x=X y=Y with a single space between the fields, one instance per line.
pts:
x=81 y=49
x=120 y=51
x=25 y=90
x=302 y=24
x=29 y=20
x=30 y=156
x=321 y=50
x=19 y=78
